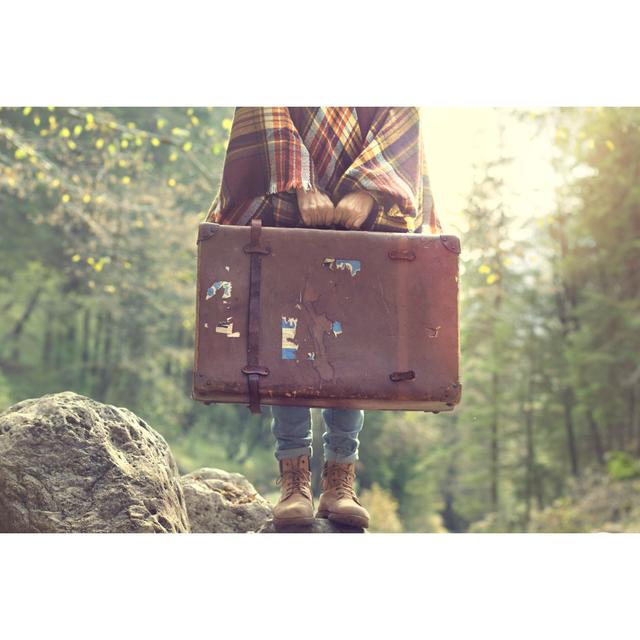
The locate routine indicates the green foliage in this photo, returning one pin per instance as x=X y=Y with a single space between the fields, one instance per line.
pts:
x=382 y=508
x=621 y=465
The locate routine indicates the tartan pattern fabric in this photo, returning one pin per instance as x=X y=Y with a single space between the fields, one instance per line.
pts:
x=273 y=151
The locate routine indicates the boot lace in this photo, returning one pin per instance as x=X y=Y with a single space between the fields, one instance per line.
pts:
x=295 y=481
x=341 y=479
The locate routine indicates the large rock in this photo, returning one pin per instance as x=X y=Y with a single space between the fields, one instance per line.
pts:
x=222 y=502
x=69 y=463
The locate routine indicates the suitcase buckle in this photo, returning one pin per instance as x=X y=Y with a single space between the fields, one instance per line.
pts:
x=255 y=369
x=402 y=254
x=251 y=248
x=398 y=376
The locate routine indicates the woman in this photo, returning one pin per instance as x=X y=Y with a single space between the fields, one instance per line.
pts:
x=349 y=167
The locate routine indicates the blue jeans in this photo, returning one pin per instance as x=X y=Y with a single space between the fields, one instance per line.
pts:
x=292 y=428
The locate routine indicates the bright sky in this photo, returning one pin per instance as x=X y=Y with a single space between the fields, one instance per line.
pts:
x=460 y=140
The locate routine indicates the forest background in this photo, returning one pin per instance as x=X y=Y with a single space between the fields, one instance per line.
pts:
x=99 y=211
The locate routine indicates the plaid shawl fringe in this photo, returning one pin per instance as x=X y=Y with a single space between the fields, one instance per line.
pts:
x=273 y=151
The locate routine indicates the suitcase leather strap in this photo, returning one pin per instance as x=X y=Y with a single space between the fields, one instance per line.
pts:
x=253 y=370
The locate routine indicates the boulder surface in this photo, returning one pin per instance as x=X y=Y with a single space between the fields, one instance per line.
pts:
x=69 y=463
x=223 y=502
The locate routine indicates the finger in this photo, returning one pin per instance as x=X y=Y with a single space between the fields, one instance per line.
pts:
x=329 y=215
x=317 y=216
x=361 y=217
x=322 y=216
x=328 y=211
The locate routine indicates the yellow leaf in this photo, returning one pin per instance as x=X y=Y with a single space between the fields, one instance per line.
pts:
x=55 y=183
x=109 y=288
x=98 y=266
x=99 y=143
x=51 y=108
x=139 y=224
x=190 y=111
x=20 y=154
x=90 y=118
x=37 y=121
x=44 y=133
x=71 y=144
x=53 y=124
x=610 y=145
x=195 y=120
x=86 y=198
x=485 y=268
x=26 y=111
x=122 y=163
x=124 y=143
x=40 y=175
x=111 y=149
x=131 y=125
x=171 y=182
x=187 y=146
x=176 y=131
x=173 y=157
x=561 y=134
x=90 y=260
x=126 y=264
x=75 y=257
x=66 y=197
x=138 y=141
x=160 y=122
x=126 y=179
x=64 y=132
x=155 y=142
x=77 y=130
x=210 y=132
x=226 y=124
x=492 y=278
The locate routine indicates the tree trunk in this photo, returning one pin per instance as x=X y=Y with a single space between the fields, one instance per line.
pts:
x=596 y=440
x=13 y=336
x=568 y=402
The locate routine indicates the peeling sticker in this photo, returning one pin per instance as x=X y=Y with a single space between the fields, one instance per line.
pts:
x=289 y=347
x=336 y=328
x=311 y=355
x=216 y=286
x=343 y=264
x=432 y=332
x=226 y=327
x=227 y=267
x=206 y=325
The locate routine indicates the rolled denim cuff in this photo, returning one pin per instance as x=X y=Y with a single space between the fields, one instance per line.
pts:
x=341 y=459
x=293 y=453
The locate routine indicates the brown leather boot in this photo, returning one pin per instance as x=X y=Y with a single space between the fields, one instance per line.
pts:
x=295 y=507
x=338 y=500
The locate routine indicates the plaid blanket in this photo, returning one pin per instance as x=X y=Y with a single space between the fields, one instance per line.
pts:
x=273 y=151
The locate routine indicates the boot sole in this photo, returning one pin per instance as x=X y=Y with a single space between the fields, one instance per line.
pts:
x=349 y=520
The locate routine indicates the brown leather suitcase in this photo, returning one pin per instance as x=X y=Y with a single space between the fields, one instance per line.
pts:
x=326 y=318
